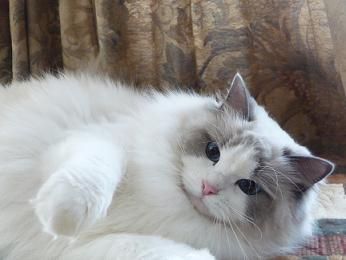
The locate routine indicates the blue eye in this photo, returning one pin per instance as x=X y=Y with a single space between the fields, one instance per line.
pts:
x=248 y=186
x=212 y=151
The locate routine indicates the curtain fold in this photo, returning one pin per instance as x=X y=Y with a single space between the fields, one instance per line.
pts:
x=290 y=52
x=5 y=44
x=35 y=37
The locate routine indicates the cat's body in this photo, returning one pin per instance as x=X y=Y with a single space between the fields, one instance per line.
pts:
x=90 y=159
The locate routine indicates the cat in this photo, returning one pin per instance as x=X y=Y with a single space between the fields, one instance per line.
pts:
x=94 y=169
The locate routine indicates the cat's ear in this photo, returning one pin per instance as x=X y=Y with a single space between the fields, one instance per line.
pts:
x=238 y=97
x=311 y=169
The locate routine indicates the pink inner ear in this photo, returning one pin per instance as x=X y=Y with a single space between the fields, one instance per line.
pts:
x=313 y=169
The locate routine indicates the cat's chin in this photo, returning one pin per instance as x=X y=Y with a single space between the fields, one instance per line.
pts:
x=199 y=206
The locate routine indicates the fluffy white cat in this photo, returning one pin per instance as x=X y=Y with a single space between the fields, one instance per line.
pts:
x=92 y=169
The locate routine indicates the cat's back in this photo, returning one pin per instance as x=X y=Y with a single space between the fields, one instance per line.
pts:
x=82 y=95
x=38 y=113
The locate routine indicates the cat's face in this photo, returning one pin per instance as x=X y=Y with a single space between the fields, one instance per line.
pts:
x=239 y=166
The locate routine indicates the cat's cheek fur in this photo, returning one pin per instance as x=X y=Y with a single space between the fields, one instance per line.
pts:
x=195 y=170
x=298 y=219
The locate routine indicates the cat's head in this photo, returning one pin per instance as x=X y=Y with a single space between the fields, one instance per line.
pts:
x=240 y=167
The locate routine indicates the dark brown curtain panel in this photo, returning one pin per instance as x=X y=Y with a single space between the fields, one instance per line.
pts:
x=291 y=52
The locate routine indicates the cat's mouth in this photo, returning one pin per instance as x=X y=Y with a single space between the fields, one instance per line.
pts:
x=198 y=205
x=202 y=209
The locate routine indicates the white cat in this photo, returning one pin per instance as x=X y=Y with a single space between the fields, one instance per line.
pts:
x=92 y=169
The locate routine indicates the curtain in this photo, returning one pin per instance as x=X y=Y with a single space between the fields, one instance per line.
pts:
x=291 y=52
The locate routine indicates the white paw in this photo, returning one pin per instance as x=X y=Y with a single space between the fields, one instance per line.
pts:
x=64 y=209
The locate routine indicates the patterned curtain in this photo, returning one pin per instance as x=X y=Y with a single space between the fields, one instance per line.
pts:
x=291 y=52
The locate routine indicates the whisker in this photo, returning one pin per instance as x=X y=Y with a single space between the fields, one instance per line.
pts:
x=285 y=176
x=276 y=179
x=219 y=228
x=236 y=237
x=248 y=219
x=228 y=241
x=251 y=245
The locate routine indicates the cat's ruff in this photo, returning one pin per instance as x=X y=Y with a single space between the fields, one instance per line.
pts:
x=93 y=169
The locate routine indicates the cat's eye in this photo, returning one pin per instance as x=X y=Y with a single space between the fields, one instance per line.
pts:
x=212 y=151
x=248 y=186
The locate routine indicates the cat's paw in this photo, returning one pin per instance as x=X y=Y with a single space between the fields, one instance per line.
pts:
x=64 y=210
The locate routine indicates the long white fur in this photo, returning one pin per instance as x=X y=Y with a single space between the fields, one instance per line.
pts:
x=87 y=172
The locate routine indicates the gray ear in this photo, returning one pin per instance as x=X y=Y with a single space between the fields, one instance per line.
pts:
x=312 y=169
x=238 y=97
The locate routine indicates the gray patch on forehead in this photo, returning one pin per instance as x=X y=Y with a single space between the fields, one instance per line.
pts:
x=226 y=128
x=231 y=129
x=247 y=140
x=194 y=142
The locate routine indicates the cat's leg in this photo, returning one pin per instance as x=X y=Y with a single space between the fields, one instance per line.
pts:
x=133 y=247
x=84 y=171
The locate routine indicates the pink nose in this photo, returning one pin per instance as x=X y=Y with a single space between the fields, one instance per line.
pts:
x=208 y=189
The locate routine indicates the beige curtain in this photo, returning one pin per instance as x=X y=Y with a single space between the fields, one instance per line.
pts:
x=291 y=52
